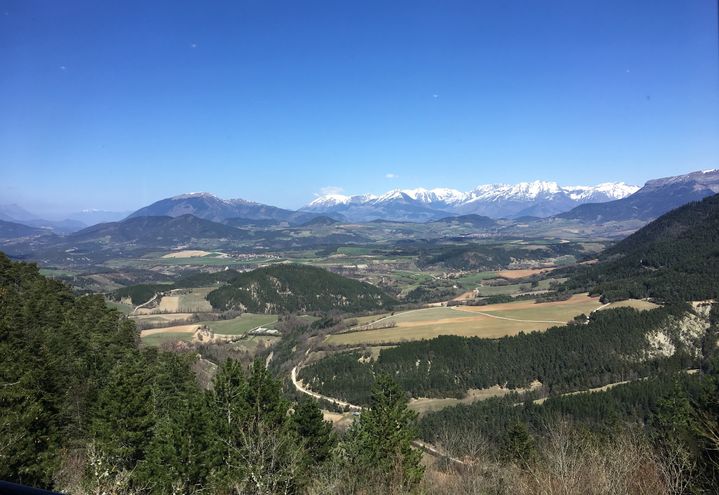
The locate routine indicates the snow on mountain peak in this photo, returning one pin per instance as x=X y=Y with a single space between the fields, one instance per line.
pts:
x=330 y=200
x=609 y=190
x=528 y=192
x=194 y=195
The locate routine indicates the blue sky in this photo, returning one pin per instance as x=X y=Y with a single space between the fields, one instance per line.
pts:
x=116 y=104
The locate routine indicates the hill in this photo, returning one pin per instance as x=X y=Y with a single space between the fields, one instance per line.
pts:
x=651 y=201
x=673 y=257
x=161 y=230
x=320 y=221
x=13 y=230
x=210 y=207
x=289 y=288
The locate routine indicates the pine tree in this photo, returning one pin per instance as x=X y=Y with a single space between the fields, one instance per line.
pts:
x=379 y=448
x=124 y=416
x=317 y=433
x=518 y=444
x=254 y=439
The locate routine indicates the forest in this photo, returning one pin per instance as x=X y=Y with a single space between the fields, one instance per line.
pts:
x=608 y=346
x=281 y=288
x=673 y=258
x=87 y=411
x=297 y=288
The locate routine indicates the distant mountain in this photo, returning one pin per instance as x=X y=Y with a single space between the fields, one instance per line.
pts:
x=297 y=288
x=654 y=199
x=17 y=214
x=320 y=221
x=158 y=230
x=93 y=217
x=13 y=230
x=538 y=198
x=66 y=226
x=675 y=257
x=210 y=207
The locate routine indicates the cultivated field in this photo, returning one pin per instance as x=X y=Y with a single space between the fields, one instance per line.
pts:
x=159 y=339
x=491 y=321
x=187 y=254
x=240 y=325
x=234 y=327
x=158 y=336
x=184 y=301
x=512 y=274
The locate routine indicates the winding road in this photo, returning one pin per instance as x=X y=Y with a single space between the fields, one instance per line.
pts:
x=430 y=449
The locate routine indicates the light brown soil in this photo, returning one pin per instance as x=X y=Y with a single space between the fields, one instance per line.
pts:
x=175 y=329
x=528 y=272
x=528 y=304
x=187 y=254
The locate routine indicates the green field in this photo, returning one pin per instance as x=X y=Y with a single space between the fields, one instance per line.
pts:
x=364 y=320
x=355 y=250
x=123 y=308
x=250 y=344
x=241 y=324
x=631 y=303
x=160 y=338
x=56 y=272
x=472 y=280
x=195 y=301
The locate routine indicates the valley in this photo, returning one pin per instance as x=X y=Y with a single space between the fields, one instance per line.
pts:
x=488 y=323
x=359 y=248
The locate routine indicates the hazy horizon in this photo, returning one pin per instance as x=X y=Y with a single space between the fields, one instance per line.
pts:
x=58 y=212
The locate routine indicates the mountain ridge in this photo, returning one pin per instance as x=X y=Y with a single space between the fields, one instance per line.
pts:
x=537 y=198
x=656 y=197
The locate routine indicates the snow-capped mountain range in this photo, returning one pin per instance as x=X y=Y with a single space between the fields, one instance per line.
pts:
x=537 y=198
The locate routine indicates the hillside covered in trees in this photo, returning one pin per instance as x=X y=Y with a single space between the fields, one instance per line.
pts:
x=281 y=288
x=612 y=345
x=297 y=288
x=674 y=258
x=84 y=410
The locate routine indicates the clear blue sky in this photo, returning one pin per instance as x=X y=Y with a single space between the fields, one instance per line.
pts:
x=116 y=104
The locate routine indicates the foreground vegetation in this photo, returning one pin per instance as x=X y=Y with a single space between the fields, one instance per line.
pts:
x=86 y=411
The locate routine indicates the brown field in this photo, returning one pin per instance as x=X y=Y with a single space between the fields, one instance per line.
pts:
x=176 y=329
x=574 y=301
x=169 y=304
x=470 y=294
x=187 y=254
x=491 y=321
x=158 y=318
x=528 y=272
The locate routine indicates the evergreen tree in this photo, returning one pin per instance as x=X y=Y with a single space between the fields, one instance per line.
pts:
x=254 y=440
x=179 y=456
x=316 y=433
x=518 y=444
x=380 y=441
x=124 y=417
